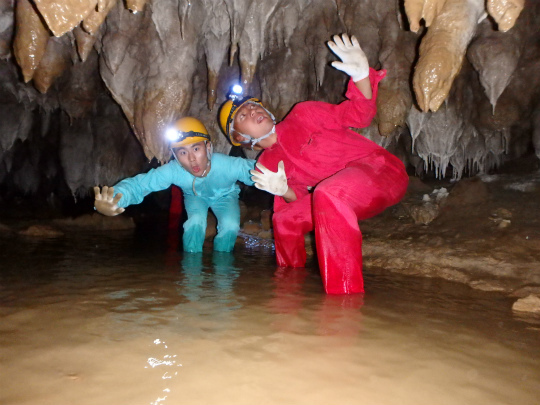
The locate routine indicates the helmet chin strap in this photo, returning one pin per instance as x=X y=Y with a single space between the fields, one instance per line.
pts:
x=255 y=141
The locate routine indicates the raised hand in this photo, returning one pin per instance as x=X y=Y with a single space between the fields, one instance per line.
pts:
x=353 y=59
x=105 y=203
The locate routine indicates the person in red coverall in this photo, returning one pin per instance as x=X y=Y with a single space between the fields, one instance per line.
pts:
x=324 y=175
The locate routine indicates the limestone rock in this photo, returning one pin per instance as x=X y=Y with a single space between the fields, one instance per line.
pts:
x=423 y=213
x=5 y=228
x=505 y=12
x=97 y=221
x=41 y=231
x=169 y=58
x=30 y=39
x=442 y=50
x=251 y=227
x=471 y=191
x=62 y=16
x=531 y=303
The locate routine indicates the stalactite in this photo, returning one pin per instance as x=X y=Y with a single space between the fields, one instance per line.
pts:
x=135 y=6
x=507 y=114
x=153 y=94
x=62 y=16
x=26 y=177
x=56 y=59
x=238 y=10
x=7 y=24
x=86 y=165
x=95 y=18
x=12 y=130
x=426 y=10
x=505 y=12
x=116 y=38
x=252 y=41
x=372 y=133
x=397 y=54
x=495 y=57
x=81 y=88
x=216 y=29
x=439 y=139
x=442 y=51
x=452 y=25
x=283 y=73
x=363 y=19
x=30 y=40
x=152 y=61
x=441 y=134
x=415 y=121
x=85 y=42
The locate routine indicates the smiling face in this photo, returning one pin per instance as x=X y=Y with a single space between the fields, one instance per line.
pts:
x=253 y=120
x=194 y=157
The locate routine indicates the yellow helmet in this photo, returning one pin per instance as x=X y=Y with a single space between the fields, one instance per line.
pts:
x=186 y=131
x=229 y=110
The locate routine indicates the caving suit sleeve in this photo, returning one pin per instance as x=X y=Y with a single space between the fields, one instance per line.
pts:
x=315 y=140
x=242 y=167
x=134 y=189
x=357 y=111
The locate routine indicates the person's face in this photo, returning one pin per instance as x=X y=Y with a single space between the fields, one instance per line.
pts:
x=193 y=157
x=253 y=120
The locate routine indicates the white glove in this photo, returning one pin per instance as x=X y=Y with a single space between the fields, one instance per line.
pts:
x=105 y=203
x=354 y=61
x=273 y=182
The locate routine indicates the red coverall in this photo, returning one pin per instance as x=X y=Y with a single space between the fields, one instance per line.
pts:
x=352 y=178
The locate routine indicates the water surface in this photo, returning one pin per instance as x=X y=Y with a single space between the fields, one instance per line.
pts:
x=126 y=319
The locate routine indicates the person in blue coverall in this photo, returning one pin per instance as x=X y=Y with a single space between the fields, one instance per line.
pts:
x=208 y=180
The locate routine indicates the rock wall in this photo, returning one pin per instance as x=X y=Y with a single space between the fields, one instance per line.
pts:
x=462 y=92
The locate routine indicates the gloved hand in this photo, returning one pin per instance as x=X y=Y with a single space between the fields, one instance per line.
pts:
x=354 y=61
x=272 y=182
x=105 y=203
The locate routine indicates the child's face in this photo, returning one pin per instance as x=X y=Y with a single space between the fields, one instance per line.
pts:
x=193 y=157
x=253 y=120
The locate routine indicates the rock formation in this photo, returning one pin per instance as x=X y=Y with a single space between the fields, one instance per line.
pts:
x=97 y=82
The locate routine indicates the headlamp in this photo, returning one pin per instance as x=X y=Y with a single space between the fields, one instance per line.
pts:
x=173 y=134
x=236 y=92
x=237 y=89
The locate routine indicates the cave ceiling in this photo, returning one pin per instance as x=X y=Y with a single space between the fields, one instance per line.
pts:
x=99 y=81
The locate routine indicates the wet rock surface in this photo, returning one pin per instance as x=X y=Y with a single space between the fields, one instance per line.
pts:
x=486 y=234
x=530 y=303
x=41 y=231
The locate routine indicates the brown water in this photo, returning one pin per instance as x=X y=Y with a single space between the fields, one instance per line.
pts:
x=88 y=319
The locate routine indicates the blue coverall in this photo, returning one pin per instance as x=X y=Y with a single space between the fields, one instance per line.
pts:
x=218 y=191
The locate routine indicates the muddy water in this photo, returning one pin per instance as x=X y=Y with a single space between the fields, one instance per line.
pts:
x=88 y=319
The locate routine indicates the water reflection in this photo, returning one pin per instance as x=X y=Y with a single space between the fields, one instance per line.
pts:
x=340 y=315
x=192 y=270
x=202 y=281
x=118 y=321
x=337 y=315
